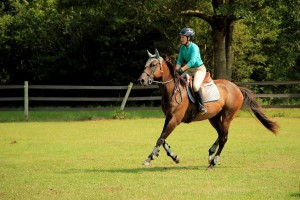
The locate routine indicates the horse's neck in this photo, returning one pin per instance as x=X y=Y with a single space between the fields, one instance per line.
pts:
x=166 y=73
x=168 y=88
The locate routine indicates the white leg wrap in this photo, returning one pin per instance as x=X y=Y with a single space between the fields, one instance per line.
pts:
x=210 y=158
x=216 y=160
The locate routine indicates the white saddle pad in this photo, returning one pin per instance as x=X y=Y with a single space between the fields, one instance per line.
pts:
x=212 y=92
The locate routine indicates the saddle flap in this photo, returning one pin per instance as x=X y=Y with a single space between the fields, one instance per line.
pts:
x=210 y=90
x=207 y=78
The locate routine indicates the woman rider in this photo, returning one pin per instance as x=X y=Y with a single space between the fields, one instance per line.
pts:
x=189 y=61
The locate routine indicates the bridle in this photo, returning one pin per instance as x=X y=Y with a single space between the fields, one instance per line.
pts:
x=150 y=79
x=153 y=70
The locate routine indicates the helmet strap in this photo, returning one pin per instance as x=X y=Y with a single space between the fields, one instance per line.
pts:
x=187 y=40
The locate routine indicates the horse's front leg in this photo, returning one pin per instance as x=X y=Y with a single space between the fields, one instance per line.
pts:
x=174 y=157
x=169 y=126
x=154 y=153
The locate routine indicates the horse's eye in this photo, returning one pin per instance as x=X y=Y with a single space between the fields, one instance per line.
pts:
x=153 y=65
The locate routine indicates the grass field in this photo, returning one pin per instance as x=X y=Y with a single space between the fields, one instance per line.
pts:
x=136 y=113
x=101 y=159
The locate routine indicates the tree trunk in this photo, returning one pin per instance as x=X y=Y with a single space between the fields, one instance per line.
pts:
x=228 y=49
x=219 y=53
x=222 y=31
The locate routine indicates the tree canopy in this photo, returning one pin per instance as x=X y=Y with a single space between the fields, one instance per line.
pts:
x=101 y=42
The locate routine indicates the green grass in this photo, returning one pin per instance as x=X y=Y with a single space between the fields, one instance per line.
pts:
x=101 y=159
x=13 y=116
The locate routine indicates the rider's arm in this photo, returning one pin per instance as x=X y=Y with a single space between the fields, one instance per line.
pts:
x=194 y=52
x=179 y=62
x=185 y=67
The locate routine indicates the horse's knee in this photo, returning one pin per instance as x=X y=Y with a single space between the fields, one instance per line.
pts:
x=224 y=139
x=160 y=141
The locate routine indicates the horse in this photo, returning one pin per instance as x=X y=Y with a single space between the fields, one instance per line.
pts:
x=177 y=107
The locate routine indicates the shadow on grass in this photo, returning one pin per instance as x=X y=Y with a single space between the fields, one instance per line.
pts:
x=295 y=195
x=141 y=169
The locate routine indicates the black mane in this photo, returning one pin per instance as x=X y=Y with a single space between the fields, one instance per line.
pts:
x=172 y=69
x=169 y=64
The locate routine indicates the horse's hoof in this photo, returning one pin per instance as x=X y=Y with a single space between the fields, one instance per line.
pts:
x=210 y=167
x=147 y=163
x=177 y=160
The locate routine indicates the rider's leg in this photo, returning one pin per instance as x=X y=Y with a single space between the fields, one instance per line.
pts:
x=198 y=79
x=199 y=97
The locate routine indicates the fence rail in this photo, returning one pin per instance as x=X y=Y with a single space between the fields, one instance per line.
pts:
x=26 y=87
x=134 y=87
x=268 y=83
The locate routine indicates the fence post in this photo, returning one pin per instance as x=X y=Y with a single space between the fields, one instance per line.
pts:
x=126 y=96
x=26 y=101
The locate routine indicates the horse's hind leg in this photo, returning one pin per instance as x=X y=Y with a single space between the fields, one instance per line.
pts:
x=212 y=151
x=217 y=124
x=222 y=127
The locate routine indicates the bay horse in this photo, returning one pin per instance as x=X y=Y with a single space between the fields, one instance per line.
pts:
x=177 y=107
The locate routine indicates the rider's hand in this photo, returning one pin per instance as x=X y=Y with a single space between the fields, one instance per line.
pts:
x=179 y=71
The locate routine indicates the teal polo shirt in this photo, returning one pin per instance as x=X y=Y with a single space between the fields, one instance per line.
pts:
x=189 y=55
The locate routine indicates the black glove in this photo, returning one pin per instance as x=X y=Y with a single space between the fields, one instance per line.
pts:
x=179 y=71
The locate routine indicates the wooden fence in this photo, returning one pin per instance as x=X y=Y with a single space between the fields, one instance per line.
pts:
x=26 y=98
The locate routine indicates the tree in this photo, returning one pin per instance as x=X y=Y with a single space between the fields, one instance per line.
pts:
x=285 y=57
x=266 y=45
x=221 y=21
x=97 y=42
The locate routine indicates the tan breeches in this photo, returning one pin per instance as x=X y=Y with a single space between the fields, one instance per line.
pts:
x=198 y=74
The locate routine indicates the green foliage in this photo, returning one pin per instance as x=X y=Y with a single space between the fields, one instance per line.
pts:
x=266 y=45
x=103 y=43
x=120 y=114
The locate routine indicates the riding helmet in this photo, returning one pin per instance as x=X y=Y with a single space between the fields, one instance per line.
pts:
x=187 y=32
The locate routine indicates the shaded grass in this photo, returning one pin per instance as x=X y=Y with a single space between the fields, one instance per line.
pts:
x=274 y=112
x=102 y=160
x=14 y=116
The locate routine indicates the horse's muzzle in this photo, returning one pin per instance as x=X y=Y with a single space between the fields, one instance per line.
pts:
x=143 y=80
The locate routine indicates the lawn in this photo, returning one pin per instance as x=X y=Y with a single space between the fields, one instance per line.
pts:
x=101 y=159
x=44 y=114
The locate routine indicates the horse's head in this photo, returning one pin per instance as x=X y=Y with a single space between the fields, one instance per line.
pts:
x=153 y=69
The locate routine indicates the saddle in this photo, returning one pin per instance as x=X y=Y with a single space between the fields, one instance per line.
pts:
x=209 y=89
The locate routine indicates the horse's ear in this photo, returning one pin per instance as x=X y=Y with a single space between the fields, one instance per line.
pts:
x=149 y=54
x=157 y=54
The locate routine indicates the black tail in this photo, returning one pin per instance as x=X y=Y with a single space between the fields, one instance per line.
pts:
x=257 y=110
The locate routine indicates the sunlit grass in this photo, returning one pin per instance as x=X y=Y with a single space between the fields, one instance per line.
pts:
x=101 y=159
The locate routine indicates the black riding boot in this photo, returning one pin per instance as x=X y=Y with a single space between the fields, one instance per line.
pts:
x=200 y=103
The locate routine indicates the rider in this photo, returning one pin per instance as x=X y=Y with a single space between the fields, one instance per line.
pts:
x=189 y=54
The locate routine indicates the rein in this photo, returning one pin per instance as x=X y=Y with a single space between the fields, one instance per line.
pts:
x=161 y=82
